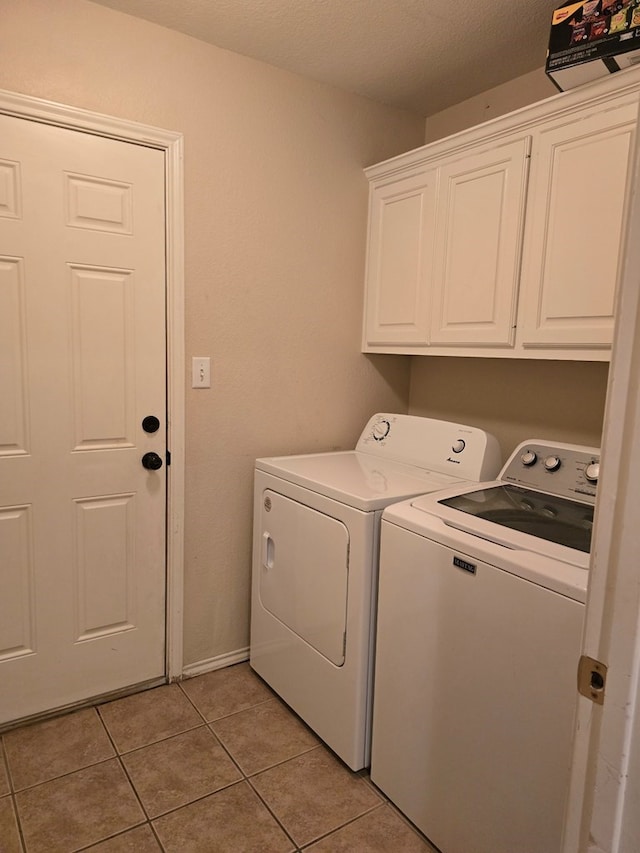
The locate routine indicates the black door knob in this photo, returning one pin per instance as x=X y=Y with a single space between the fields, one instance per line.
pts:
x=151 y=461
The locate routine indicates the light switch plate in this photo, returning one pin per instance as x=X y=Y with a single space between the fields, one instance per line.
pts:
x=201 y=372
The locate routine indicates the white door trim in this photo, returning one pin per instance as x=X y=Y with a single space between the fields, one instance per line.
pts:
x=602 y=810
x=75 y=118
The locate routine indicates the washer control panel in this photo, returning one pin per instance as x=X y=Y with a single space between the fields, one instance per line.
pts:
x=566 y=470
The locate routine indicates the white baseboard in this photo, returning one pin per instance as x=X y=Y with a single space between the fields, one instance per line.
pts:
x=219 y=662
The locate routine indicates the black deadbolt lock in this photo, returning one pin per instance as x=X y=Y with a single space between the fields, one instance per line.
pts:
x=150 y=423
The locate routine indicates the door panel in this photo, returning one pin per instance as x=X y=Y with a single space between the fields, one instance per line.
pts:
x=105 y=557
x=13 y=432
x=304 y=572
x=576 y=213
x=400 y=256
x=103 y=322
x=480 y=219
x=82 y=291
x=16 y=583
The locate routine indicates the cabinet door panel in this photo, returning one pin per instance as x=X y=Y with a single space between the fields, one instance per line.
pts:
x=576 y=216
x=480 y=216
x=399 y=259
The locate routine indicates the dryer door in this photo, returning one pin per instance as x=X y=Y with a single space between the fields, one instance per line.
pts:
x=304 y=572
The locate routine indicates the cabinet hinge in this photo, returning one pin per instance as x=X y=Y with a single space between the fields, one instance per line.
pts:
x=168 y=457
x=592 y=678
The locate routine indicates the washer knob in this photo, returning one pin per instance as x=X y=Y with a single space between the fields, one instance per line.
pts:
x=529 y=457
x=381 y=430
x=592 y=472
x=458 y=446
x=552 y=463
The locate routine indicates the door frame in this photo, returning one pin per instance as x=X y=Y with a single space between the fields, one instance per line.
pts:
x=605 y=779
x=171 y=143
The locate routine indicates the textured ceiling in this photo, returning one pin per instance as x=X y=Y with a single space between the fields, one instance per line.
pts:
x=422 y=55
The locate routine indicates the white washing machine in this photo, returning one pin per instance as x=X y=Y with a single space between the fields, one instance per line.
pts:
x=481 y=605
x=316 y=533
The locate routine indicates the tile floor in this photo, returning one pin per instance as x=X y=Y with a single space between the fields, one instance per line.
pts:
x=216 y=763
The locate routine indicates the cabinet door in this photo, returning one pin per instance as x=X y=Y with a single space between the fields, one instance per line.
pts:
x=575 y=227
x=399 y=258
x=480 y=218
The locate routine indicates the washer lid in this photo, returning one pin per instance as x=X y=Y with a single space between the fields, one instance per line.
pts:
x=360 y=480
x=544 y=516
x=462 y=509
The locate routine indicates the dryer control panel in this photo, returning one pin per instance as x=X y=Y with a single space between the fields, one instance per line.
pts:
x=462 y=451
x=566 y=470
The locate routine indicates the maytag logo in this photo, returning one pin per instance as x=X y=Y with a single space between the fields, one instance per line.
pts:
x=455 y=461
x=462 y=564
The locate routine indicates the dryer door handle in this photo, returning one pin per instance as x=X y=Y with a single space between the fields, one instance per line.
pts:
x=268 y=550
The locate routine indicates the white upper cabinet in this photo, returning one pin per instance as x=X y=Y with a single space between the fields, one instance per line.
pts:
x=402 y=230
x=575 y=228
x=505 y=240
x=479 y=223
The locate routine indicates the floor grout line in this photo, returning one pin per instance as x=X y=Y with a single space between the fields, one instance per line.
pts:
x=273 y=814
x=114 y=835
x=12 y=794
x=7 y=768
x=191 y=702
x=65 y=775
x=343 y=825
x=270 y=766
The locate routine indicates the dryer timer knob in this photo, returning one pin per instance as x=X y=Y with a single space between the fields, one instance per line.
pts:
x=381 y=430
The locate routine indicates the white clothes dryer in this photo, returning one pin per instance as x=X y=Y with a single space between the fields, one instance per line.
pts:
x=315 y=554
x=479 y=624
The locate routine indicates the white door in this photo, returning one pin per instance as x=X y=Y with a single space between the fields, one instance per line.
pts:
x=82 y=362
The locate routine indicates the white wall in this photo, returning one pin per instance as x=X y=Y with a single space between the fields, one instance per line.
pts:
x=515 y=399
x=275 y=215
x=498 y=101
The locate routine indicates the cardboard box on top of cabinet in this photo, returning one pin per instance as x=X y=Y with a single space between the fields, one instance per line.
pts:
x=591 y=39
